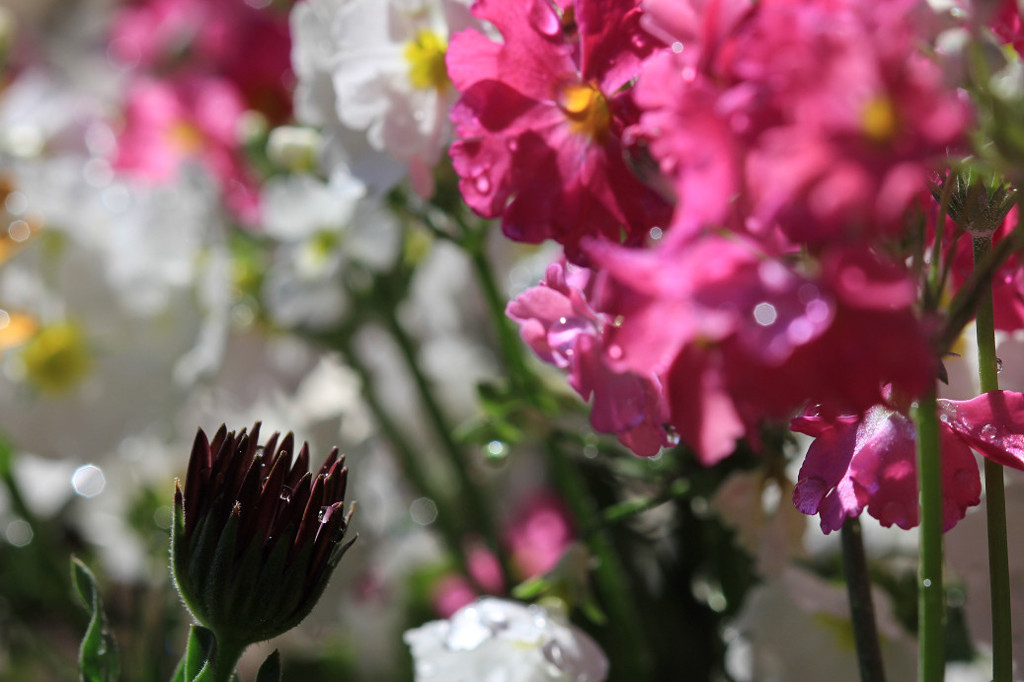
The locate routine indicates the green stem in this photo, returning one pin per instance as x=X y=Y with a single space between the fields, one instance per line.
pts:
x=509 y=342
x=479 y=509
x=410 y=460
x=225 y=660
x=998 y=555
x=634 y=661
x=931 y=615
x=862 y=608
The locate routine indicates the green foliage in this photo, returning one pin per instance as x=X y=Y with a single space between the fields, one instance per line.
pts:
x=270 y=671
x=98 y=658
x=197 y=663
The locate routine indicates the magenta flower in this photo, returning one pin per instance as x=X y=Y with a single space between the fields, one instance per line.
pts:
x=821 y=119
x=243 y=42
x=736 y=337
x=871 y=462
x=170 y=123
x=541 y=117
x=561 y=326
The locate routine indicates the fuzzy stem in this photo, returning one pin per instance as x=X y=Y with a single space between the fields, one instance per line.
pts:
x=862 y=608
x=998 y=556
x=225 y=658
x=930 y=604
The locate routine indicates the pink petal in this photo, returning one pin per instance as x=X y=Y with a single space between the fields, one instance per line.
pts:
x=992 y=424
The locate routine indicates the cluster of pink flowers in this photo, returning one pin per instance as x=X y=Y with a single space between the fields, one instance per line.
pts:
x=195 y=67
x=732 y=182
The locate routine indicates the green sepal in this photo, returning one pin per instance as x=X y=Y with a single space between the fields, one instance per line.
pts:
x=240 y=591
x=219 y=577
x=196 y=664
x=258 y=608
x=198 y=558
x=179 y=555
x=291 y=604
x=270 y=671
x=98 y=659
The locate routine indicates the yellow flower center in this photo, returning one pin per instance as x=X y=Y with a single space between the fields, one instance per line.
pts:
x=586 y=109
x=185 y=137
x=425 y=55
x=57 y=358
x=15 y=329
x=878 y=119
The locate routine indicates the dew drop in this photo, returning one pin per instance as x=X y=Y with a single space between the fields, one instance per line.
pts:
x=677 y=47
x=988 y=433
x=482 y=184
x=926 y=582
x=671 y=435
x=999 y=365
x=619 y=319
x=286 y=494
x=639 y=42
x=615 y=352
x=562 y=320
x=512 y=144
x=689 y=74
x=496 y=450
x=765 y=314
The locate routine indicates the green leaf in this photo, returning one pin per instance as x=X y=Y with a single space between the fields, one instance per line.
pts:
x=196 y=664
x=98 y=659
x=270 y=671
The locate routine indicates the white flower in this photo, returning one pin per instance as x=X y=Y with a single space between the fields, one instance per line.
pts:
x=323 y=229
x=494 y=640
x=386 y=64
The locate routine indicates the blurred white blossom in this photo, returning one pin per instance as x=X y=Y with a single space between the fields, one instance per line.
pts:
x=495 y=640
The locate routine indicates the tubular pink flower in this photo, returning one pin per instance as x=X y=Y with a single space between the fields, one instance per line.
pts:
x=870 y=462
x=559 y=324
x=541 y=117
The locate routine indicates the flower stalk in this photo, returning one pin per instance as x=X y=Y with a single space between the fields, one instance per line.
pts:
x=862 y=608
x=998 y=555
x=930 y=605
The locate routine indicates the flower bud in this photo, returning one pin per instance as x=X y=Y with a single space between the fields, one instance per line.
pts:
x=255 y=536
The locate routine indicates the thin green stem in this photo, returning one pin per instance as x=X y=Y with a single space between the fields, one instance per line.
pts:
x=998 y=555
x=410 y=459
x=930 y=605
x=862 y=608
x=479 y=509
x=508 y=341
x=634 y=661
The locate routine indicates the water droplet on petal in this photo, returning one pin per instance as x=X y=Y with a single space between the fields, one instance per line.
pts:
x=615 y=352
x=988 y=433
x=512 y=144
x=482 y=184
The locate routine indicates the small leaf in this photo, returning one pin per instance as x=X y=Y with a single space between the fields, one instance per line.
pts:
x=199 y=652
x=270 y=671
x=98 y=659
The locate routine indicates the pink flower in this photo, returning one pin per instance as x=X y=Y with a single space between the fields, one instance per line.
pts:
x=558 y=321
x=541 y=117
x=231 y=39
x=736 y=337
x=817 y=118
x=870 y=462
x=171 y=123
x=539 y=534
